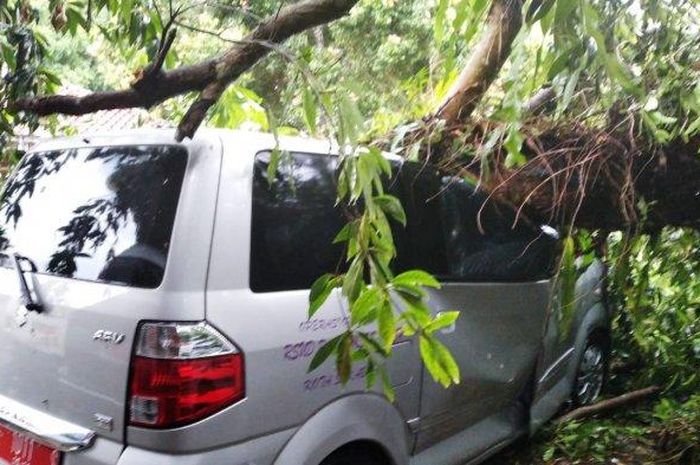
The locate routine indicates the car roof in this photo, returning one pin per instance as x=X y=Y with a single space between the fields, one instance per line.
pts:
x=167 y=136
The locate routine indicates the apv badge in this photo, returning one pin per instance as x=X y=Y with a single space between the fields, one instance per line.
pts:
x=108 y=337
x=21 y=316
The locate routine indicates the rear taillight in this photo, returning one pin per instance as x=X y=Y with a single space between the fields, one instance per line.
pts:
x=182 y=373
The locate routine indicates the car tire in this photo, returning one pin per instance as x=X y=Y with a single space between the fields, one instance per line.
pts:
x=591 y=371
x=355 y=456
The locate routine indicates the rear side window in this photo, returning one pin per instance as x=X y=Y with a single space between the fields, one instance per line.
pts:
x=294 y=221
x=99 y=214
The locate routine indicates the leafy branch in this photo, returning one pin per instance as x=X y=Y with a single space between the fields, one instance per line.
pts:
x=382 y=306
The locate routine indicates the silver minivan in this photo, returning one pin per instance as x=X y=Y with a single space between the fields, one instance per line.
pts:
x=154 y=311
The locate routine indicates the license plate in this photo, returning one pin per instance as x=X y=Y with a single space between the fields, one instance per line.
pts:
x=18 y=449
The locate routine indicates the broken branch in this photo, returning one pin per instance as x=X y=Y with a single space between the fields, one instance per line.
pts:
x=609 y=404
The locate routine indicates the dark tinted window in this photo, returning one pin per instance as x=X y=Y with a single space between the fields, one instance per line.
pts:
x=485 y=242
x=420 y=196
x=294 y=222
x=295 y=219
x=100 y=214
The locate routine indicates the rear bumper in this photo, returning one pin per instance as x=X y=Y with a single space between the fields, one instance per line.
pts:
x=43 y=427
x=258 y=451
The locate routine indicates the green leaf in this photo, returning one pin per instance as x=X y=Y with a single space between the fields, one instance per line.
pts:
x=462 y=12
x=310 y=110
x=569 y=90
x=439 y=362
x=9 y=56
x=324 y=352
x=478 y=10
x=535 y=14
x=320 y=290
x=567 y=278
x=432 y=364
x=662 y=119
x=345 y=233
x=392 y=207
x=75 y=18
x=353 y=280
x=343 y=186
x=387 y=325
x=618 y=73
x=386 y=384
x=381 y=160
x=362 y=310
x=562 y=12
x=370 y=374
x=439 y=21
x=443 y=320
x=351 y=121
x=275 y=157
x=371 y=345
x=416 y=278
x=559 y=64
x=411 y=293
x=513 y=145
x=344 y=360
x=446 y=360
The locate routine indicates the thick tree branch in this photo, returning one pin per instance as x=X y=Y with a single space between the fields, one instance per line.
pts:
x=167 y=85
x=609 y=404
x=211 y=77
x=484 y=63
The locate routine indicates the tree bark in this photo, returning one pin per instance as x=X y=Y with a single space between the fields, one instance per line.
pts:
x=165 y=85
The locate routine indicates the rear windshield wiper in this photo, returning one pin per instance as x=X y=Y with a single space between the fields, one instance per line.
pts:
x=30 y=302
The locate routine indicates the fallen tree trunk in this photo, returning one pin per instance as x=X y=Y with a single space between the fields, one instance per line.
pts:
x=605 y=180
x=581 y=177
x=609 y=404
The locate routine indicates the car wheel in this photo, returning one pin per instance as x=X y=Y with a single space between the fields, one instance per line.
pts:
x=591 y=373
x=355 y=456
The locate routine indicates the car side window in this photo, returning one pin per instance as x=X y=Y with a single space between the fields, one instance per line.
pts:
x=295 y=219
x=294 y=222
x=420 y=196
x=486 y=243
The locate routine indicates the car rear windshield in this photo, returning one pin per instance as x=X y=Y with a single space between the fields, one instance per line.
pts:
x=99 y=214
